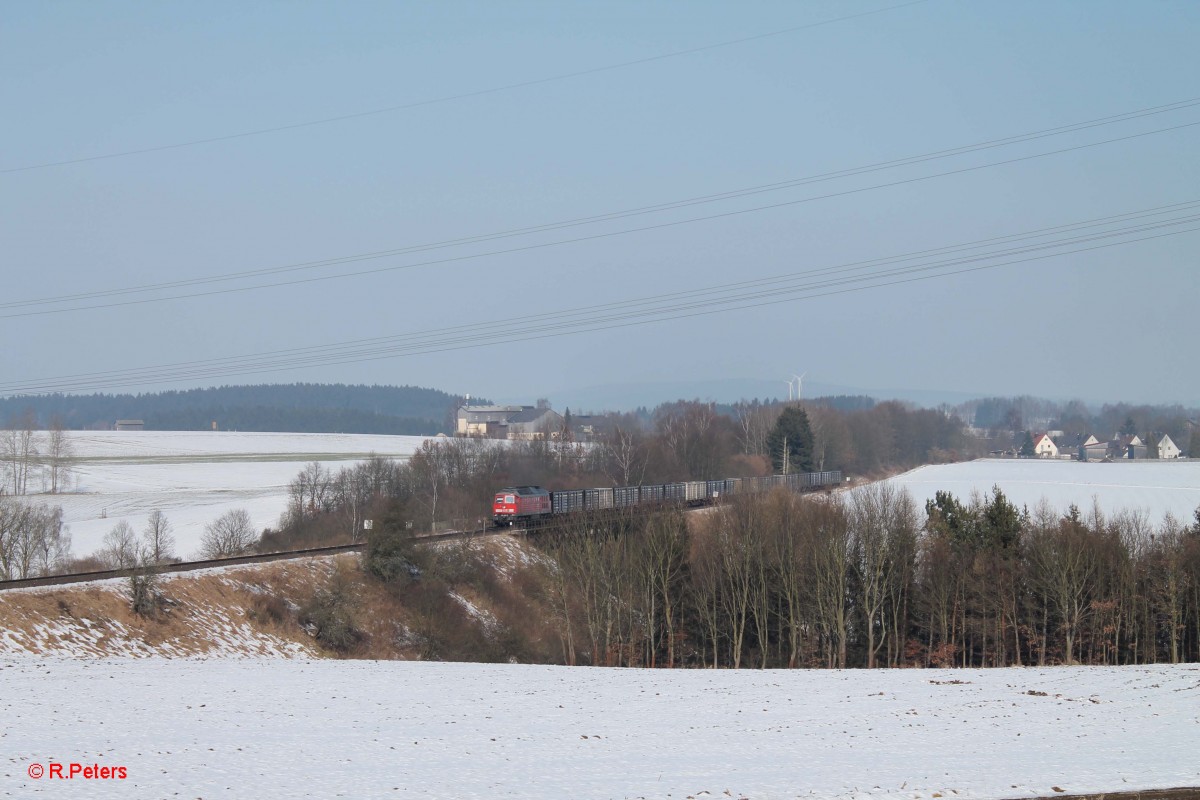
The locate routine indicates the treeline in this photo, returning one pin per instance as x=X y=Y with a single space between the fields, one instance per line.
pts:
x=685 y=440
x=451 y=483
x=870 y=581
x=299 y=407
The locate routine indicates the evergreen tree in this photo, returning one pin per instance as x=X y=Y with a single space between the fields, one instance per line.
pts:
x=1001 y=522
x=1027 y=448
x=792 y=436
x=389 y=552
x=948 y=516
x=1129 y=428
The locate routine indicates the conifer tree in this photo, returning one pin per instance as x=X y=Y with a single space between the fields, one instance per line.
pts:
x=790 y=443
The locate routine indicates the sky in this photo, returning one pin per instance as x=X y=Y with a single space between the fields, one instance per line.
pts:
x=491 y=119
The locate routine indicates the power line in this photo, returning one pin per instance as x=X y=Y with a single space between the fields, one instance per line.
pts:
x=749 y=294
x=454 y=97
x=610 y=234
x=1040 y=233
x=580 y=221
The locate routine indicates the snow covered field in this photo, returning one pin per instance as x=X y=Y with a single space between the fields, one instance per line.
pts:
x=1156 y=487
x=323 y=729
x=195 y=476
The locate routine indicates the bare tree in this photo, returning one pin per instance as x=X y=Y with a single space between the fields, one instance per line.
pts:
x=52 y=540
x=311 y=491
x=661 y=567
x=18 y=448
x=1063 y=561
x=430 y=467
x=158 y=543
x=12 y=523
x=627 y=456
x=230 y=534
x=33 y=540
x=120 y=550
x=789 y=562
x=882 y=520
x=754 y=425
x=59 y=454
x=705 y=584
x=828 y=533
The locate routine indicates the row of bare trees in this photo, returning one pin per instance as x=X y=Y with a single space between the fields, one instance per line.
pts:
x=28 y=454
x=231 y=534
x=33 y=540
x=871 y=581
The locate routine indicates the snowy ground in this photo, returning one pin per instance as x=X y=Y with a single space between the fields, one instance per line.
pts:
x=323 y=729
x=1156 y=487
x=195 y=476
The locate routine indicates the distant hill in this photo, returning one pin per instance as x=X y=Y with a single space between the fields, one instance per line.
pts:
x=296 y=407
x=628 y=396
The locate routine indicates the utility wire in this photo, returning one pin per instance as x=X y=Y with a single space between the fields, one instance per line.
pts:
x=518 y=329
x=454 y=97
x=1188 y=206
x=579 y=221
x=606 y=235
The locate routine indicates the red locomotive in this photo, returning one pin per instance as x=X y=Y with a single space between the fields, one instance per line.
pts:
x=520 y=504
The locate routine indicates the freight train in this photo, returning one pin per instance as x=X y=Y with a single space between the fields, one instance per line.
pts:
x=528 y=505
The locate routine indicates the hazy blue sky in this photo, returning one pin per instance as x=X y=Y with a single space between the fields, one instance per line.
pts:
x=89 y=79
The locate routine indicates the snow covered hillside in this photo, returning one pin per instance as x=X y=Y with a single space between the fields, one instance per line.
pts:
x=222 y=611
x=366 y=729
x=1156 y=487
x=195 y=476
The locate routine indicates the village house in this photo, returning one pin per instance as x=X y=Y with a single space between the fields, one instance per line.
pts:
x=1044 y=447
x=1128 y=446
x=1167 y=448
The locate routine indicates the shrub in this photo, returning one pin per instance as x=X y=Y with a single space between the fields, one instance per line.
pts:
x=329 y=615
x=389 y=552
x=269 y=608
x=144 y=597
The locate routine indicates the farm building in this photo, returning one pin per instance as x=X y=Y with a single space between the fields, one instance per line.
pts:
x=509 y=422
x=485 y=421
x=534 y=423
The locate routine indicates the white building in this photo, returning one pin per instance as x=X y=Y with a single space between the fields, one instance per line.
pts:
x=1044 y=446
x=1168 y=448
x=485 y=421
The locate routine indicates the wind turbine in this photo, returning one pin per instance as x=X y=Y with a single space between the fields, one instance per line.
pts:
x=789 y=385
x=799 y=385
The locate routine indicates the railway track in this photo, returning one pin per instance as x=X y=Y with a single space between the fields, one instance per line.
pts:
x=257 y=558
x=263 y=558
x=234 y=561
